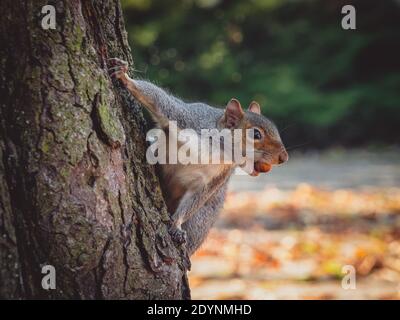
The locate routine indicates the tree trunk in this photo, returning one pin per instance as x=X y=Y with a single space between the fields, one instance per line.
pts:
x=76 y=191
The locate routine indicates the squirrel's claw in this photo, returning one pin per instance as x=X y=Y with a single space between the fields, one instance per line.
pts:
x=178 y=235
x=117 y=68
x=118 y=72
x=186 y=261
x=120 y=75
x=117 y=62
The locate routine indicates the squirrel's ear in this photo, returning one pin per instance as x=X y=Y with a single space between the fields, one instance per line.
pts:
x=255 y=107
x=233 y=113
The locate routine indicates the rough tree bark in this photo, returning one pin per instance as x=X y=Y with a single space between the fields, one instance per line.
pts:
x=75 y=189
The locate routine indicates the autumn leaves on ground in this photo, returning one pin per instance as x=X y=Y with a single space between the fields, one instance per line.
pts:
x=292 y=244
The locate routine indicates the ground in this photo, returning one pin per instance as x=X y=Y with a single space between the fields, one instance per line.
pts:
x=288 y=234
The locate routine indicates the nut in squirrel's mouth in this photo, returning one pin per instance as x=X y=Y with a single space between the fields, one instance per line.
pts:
x=260 y=167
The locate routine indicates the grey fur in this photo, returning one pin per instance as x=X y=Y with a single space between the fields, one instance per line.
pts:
x=195 y=202
x=198 y=209
x=198 y=226
x=195 y=116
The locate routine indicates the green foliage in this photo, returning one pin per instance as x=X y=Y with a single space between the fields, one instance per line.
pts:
x=328 y=85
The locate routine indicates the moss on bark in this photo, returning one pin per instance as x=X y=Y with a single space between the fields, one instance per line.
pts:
x=75 y=189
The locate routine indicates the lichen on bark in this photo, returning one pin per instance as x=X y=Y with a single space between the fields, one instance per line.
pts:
x=75 y=189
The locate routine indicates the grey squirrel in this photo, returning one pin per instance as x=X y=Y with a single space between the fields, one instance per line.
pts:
x=195 y=193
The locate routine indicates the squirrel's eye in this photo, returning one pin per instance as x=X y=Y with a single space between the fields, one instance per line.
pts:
x=256 y=134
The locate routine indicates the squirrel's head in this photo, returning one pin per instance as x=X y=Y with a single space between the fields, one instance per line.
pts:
x=260 y=131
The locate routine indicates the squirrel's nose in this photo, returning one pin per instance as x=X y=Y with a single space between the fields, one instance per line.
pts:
x=283 y=157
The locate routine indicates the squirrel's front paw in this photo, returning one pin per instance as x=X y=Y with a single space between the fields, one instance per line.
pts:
x=117 y=68
x=178 y=235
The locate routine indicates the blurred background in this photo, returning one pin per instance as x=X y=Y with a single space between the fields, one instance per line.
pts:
x=335 y=96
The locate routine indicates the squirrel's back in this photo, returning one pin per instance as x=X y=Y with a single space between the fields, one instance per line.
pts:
x=196 y=116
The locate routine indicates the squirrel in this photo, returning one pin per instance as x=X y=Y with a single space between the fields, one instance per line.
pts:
x=195 y=193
